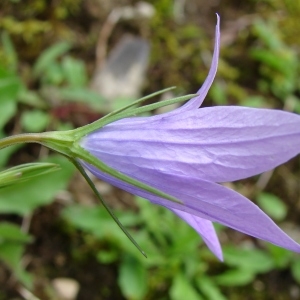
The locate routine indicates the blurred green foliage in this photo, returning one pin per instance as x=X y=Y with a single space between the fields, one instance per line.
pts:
x=38 y=77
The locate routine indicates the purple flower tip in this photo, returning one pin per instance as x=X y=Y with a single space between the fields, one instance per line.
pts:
x=187 y=152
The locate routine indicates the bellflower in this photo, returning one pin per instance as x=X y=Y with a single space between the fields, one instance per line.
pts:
x=178 y=159
x=187 y=152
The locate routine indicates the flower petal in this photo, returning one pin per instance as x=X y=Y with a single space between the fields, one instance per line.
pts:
x=195 y=102
x=217 y=144
x=209 y=201
x=205 y=229
x=202 y=92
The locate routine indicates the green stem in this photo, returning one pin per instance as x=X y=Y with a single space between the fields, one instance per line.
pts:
x=21 y=138
x=60 y=141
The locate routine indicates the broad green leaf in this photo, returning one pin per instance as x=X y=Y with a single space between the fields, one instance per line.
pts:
x=31 y=98
x=9 y=51
x=236 y=277
x=209 y=288
x=49 y=56
x=280 y=256
x=7 y=111
x=83 y=95
x=53 y=76
x=35 y=120
x=107 y=257
x=11 y=254
x=10 y=86
x=268 y=33
x=74 y=72
x=132 y=278
x=24 y=197
x=252 y=260
x=255 y=101
x=218 y=94
x=272 y=205
x=182 y=288
x=93 y=220
x=96 y=221
x=12 y=233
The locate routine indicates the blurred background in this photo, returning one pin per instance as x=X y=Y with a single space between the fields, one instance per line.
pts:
x=66 y=63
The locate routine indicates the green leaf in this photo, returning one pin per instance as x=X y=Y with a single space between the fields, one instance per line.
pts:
x=132 y=278
x=10 y=86
x=7 y=111
x=52 y=76
x=107 y=257
x=296 y=270
x=183 y=289
x=252 y=260
x=280 y=256
x=9 y=51
x=254 y=101
x=74 y=72
x=49 y=56
x=94 y=220
x=35 y=120
x=26 y=196
x=11 y=254
x=218 y=94
x=25 y=172
x=31 y=98
x=12 y=246
x=83 y=95
x=11 y=232
x=272 y=205
x=209 y=288
x=237 y=277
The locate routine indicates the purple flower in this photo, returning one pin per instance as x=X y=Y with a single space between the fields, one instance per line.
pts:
x=186 y=153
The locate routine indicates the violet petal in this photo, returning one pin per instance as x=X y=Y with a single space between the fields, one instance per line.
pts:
x=218 y=144
x=205 y=229
x=197 y=101
x=208 y=200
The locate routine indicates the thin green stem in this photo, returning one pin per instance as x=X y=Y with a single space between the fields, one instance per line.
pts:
x=91 y=184
x=21 y=138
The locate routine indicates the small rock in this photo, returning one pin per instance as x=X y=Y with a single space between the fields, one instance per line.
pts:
x=66 y=288
x=123 y=73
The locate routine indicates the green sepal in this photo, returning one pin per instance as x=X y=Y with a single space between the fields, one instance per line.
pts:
x=92 y=186
x=94 y=161
x=121 y=114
